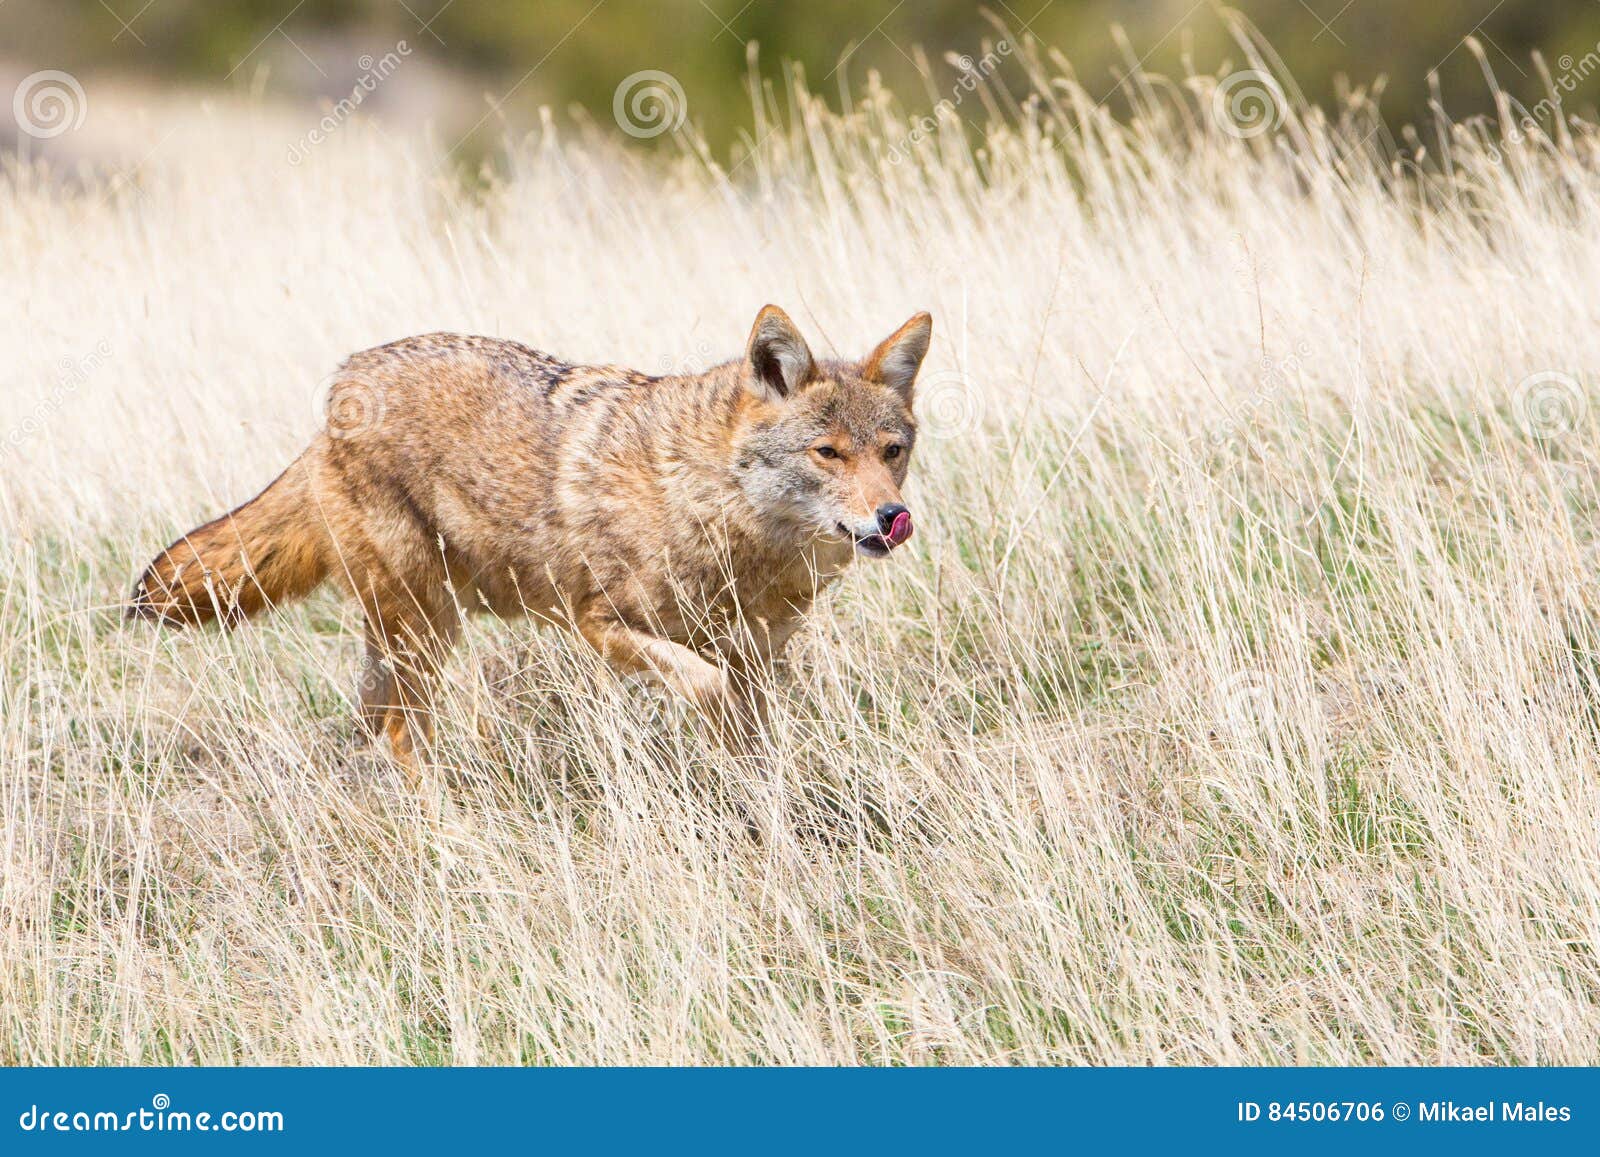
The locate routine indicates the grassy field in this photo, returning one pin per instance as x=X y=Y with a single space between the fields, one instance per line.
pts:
x=1234 y=704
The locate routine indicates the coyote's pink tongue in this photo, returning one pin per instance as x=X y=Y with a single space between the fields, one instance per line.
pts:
x=900 y=528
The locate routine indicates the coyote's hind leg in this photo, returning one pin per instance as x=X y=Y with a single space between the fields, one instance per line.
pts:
x=399 y=673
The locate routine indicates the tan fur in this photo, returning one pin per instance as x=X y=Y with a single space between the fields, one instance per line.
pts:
x=682 y=525
x=262 y=552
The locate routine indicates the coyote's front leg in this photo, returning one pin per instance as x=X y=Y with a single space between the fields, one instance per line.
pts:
x=710 y=687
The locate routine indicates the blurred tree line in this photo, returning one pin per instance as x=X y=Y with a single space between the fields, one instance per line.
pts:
x=561 y=52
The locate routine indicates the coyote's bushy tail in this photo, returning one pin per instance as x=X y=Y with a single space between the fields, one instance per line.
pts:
x=269 y=551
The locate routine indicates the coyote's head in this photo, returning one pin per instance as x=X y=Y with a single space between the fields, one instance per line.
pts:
x=828 y=443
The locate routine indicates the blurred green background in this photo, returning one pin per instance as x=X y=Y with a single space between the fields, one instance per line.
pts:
x=509 y=58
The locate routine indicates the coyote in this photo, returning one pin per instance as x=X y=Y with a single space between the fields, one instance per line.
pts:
x=682 y=524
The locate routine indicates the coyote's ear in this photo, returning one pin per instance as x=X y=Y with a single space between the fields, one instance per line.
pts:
x=780 y=360
x=899 y=356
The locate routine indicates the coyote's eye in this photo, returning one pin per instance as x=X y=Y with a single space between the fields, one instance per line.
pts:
x=893 y=451
x=827 y=452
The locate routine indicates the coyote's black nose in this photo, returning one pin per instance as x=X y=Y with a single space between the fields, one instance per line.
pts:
x=894 y=521
x=887 y=513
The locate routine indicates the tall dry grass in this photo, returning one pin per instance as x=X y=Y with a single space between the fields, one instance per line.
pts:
x=1236 y=702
